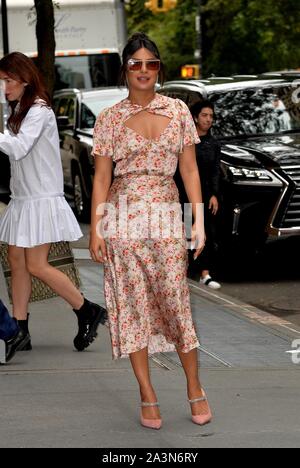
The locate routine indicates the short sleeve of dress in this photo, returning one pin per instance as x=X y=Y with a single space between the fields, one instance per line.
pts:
x=103 y=135
x=189 y=133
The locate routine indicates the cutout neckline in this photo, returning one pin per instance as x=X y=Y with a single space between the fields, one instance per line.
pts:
x=149 y=139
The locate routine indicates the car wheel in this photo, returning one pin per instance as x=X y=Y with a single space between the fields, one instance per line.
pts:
x=81 y=201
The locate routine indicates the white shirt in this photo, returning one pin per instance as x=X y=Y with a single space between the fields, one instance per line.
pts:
x=36 y=169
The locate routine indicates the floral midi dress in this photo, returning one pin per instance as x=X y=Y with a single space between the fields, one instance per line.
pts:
x=146 y=288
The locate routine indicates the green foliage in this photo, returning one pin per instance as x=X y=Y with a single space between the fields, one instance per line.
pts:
x=174 y=32
x=239 y=36
x=250 y=36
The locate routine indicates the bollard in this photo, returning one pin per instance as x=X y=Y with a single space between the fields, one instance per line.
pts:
x=2 y=352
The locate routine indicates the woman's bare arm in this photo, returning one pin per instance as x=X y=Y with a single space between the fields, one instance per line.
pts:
x=101 y=186
x=191 y=179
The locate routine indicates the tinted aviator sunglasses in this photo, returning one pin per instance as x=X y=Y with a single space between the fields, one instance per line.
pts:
x=137 y=65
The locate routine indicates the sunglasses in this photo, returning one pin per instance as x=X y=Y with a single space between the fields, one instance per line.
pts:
x=134 y=65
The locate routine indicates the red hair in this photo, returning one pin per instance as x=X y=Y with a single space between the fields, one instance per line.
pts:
x=21 y=68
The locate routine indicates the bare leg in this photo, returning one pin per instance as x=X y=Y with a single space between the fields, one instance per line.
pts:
x=37 y=264
x=20 y=282
x=140 y=365
x=189 y=363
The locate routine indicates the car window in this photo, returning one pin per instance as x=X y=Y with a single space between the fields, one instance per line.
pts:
x=175 y=94
x=55 y=105
x=62 y=108
x=87 y=71
x=193 y=98
x=71 y=111
x=88 y=118
x=255 y=111
x=93 y=105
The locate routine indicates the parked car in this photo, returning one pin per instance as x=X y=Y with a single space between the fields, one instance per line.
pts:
x=258 y=126
x=76 y=113
x=4 y=178
x=4 y=160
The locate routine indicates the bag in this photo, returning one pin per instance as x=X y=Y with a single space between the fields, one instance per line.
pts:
x=8 y=326
x=60 y=257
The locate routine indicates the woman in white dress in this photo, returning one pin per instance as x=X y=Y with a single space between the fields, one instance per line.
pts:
x=38 y=213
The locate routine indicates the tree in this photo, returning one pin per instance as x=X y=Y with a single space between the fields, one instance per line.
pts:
x=174 y=32
x=251 y=36
x=239 y=36
x=46 y=41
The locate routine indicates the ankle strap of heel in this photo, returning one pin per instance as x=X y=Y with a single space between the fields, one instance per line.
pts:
x=196 y=400
x=144 y=404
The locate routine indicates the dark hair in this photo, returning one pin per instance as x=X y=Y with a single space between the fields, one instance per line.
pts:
x=136 y=42
x=200 y=105
x=21 y=68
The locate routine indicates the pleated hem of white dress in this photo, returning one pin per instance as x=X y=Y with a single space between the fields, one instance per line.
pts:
x=32 y=222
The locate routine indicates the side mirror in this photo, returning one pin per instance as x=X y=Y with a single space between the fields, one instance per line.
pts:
x=63 y=123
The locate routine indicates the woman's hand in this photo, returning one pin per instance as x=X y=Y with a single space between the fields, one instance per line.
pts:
x=97 y=248
x=198 y=238
x=214 y=205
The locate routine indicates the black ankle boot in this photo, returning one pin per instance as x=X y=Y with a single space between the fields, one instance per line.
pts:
x=23 y=324
x=16 y=343
x=89 y=316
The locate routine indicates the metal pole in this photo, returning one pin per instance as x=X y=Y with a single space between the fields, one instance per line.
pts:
x=198 y=53
x=4 y=27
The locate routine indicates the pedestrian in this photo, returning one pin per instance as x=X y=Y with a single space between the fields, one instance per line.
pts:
x=146 y=287
x=208 y=153
x=10 y=333
x=38 y=213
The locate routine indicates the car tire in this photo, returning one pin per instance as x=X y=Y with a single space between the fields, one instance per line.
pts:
x=82 y=204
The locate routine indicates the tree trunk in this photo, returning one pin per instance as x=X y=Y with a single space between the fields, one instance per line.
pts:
x=46 y=41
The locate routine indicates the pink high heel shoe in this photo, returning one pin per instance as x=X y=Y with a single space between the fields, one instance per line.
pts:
x=201 y=419
x=150 y=423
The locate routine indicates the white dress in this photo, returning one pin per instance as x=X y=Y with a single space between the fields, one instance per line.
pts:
x=38 y=212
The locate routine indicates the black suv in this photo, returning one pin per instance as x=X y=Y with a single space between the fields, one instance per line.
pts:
x=258 y=125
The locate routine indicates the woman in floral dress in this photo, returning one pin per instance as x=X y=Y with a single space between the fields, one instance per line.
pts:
x=146 y=289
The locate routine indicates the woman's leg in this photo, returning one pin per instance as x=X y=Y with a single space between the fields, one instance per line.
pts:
x=140 y=365
x=20 y=282
x=189 y=363
x=89 y=315
x=37 y=264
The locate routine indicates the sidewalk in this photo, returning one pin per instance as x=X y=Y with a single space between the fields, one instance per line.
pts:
x=56 y=397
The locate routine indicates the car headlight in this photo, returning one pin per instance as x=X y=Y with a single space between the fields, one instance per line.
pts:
x=249 y=176
x=252 y=174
